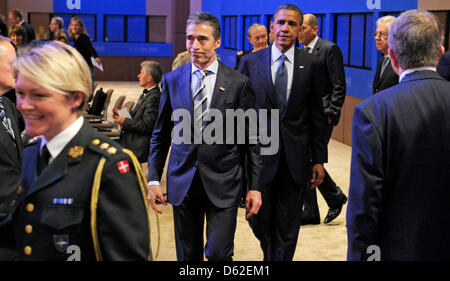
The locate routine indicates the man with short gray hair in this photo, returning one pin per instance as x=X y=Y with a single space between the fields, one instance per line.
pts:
x=56 y=26
x=137 y=130
x=399 y=186
x=385 y=76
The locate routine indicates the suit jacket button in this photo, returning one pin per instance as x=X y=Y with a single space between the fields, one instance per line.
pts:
x=27 y=250
x=30 y=208
x=28 y=229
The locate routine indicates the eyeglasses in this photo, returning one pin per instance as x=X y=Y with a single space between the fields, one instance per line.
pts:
x=382 y=34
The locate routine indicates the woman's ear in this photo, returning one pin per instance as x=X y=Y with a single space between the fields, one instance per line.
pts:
x=77 y=99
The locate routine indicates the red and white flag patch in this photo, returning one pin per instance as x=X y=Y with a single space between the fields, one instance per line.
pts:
x=123 y=166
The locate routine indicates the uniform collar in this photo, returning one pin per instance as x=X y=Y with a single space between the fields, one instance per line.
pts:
x=57 y=144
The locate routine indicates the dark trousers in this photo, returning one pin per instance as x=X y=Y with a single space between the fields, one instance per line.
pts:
x=277 y=223
x=332 y=194
x=189 y=219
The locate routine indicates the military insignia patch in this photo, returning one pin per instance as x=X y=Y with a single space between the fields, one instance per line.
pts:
x=61 y=242
x=76 y=151
x=123 y=166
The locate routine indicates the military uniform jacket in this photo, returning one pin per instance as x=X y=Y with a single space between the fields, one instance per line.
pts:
x=60 y=208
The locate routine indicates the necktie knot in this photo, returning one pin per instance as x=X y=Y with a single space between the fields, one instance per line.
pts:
x=145 y=91
x=307 y=49
x=43 y=160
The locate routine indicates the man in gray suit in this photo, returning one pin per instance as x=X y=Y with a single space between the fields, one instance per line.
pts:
x=333 y=99
x=137 y=130
x=10 y=139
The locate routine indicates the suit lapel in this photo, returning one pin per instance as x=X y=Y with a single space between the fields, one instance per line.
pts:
x=296 y=76
x=266 y=75
x=317 y=47
x=218 y=96
x=8 y=143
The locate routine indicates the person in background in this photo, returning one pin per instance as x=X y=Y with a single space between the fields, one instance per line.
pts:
x=443 y=67
x=399 y=176
x=257 y=37
x=10 y=144
x=3 y=27
x=15 y=17
x=137 y=130
x=82 y=42
x=333 y=100
x=18 y=36
x=77 y=186
x=56 y=27
x=385 y=76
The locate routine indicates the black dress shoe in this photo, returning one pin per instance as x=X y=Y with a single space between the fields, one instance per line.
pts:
x=309 y=220
x=334 y=212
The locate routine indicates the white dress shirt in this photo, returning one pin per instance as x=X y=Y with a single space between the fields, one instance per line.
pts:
x=414 y=69
x=210 y=80
x=57 y=143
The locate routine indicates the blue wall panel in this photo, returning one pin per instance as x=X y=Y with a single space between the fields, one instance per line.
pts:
x=100 y=8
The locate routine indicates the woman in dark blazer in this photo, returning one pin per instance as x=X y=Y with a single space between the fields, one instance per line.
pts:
x=82 y=42
x=82 y=196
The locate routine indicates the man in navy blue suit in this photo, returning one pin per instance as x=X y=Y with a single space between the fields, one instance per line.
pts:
x=203 y=179
x=399 y=186
x=289 y=80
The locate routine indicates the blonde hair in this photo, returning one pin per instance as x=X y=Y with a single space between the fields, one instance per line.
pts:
x=57 y=67
x=81 y=23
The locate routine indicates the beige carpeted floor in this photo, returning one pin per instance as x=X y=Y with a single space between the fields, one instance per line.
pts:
x=324 y=242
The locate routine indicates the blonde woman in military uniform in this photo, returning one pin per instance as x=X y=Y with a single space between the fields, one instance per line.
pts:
x=80 y=193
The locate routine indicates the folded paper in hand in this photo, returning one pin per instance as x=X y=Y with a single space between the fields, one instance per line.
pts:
x=123 y=112
x=96 y=64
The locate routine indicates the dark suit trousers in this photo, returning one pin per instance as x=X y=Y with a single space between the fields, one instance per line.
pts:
x=277 y=223
x=332 y=194
x=189 y=220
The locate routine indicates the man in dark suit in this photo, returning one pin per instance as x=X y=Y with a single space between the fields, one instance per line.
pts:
x=399 y=186
x=203 y=179
x=137 y=130
x=333 y=100
x=16 y=17
x=443 y=67
x=385 y=76
x=289 y=80
x=10 y=139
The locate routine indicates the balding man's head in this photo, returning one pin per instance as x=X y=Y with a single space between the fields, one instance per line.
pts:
x=7 y=55
x=309 y=29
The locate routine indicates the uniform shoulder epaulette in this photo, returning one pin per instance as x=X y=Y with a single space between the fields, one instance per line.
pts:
x=105 y=147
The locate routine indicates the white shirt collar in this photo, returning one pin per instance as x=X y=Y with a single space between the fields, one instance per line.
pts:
x=313 y=42
x=414 y=69
x=57 y=143
x=277 y=53
x=214 y=67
